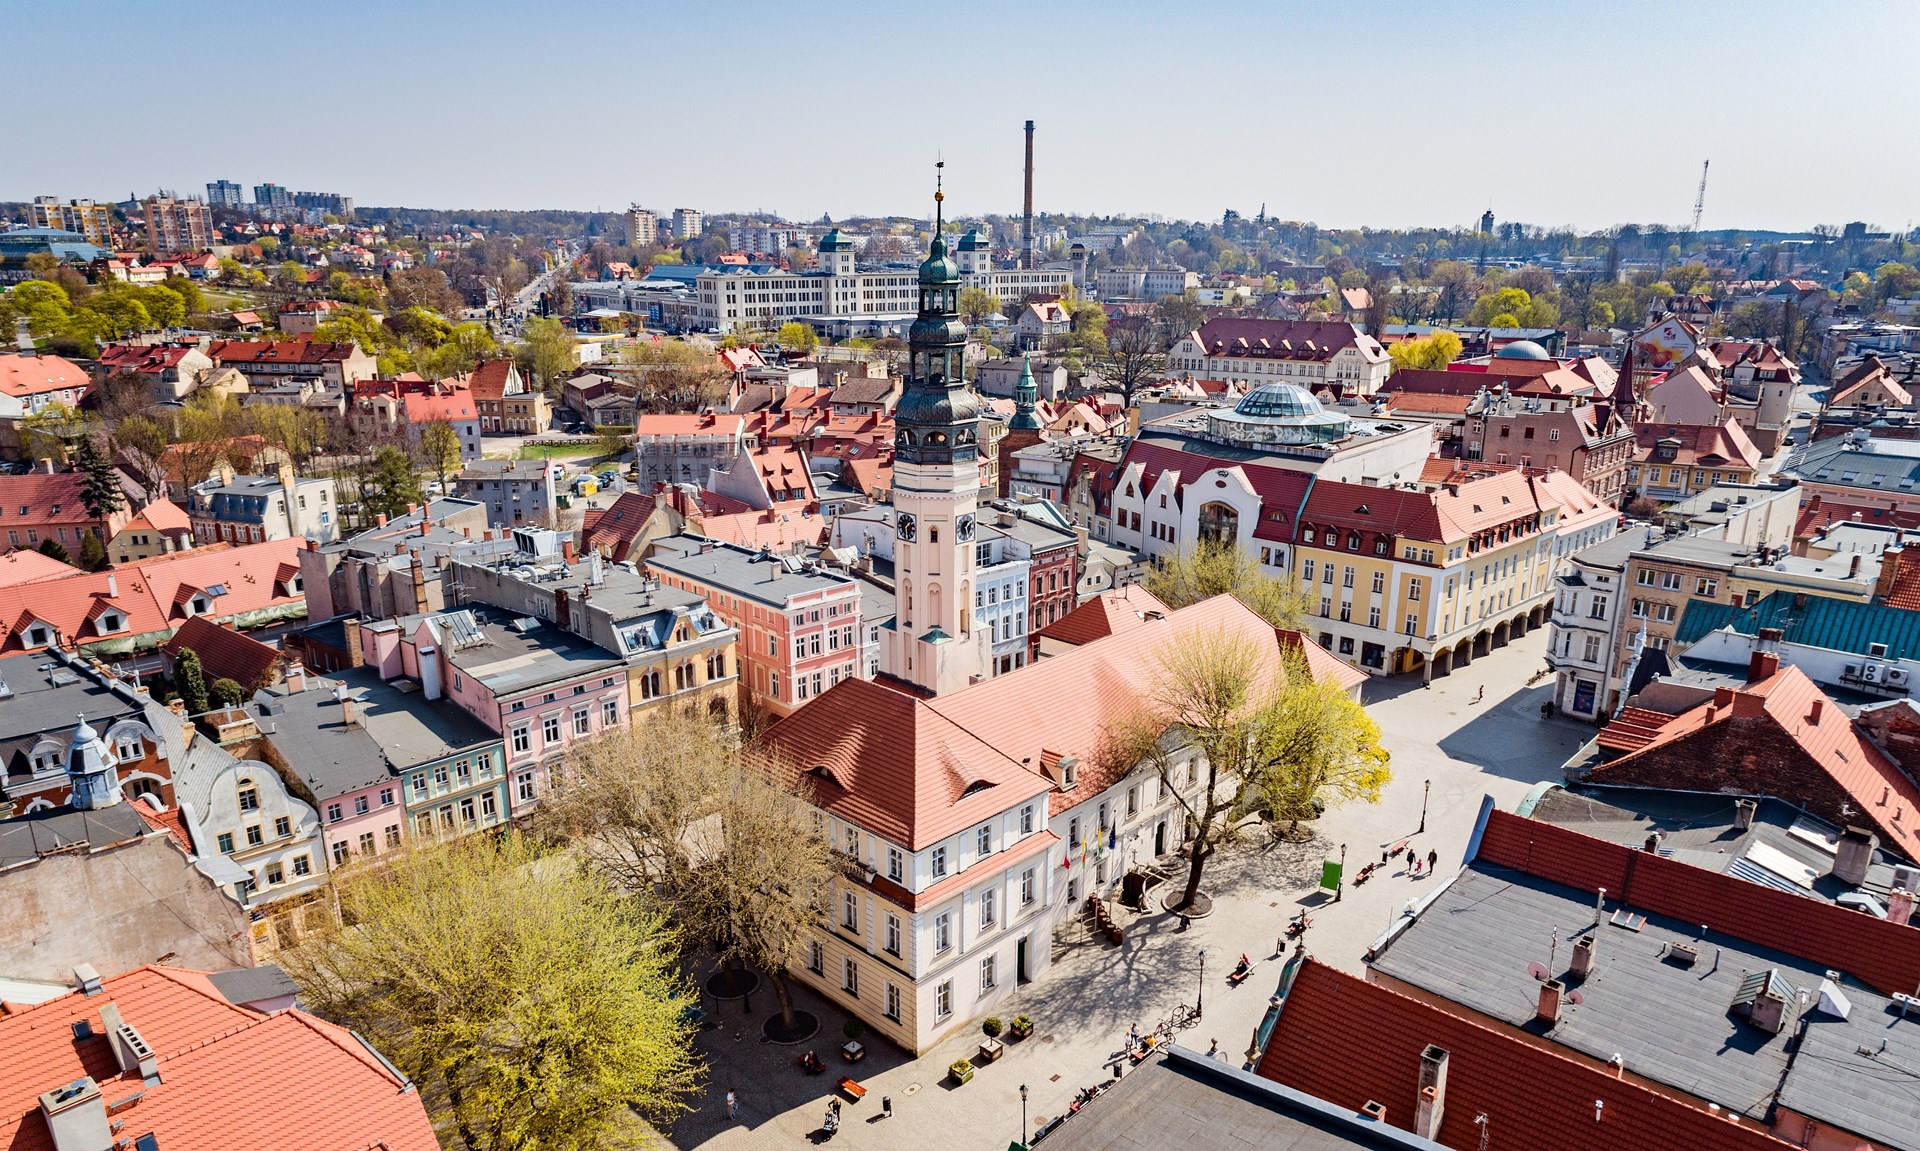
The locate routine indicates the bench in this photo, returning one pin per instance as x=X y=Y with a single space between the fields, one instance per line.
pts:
x=852 y=1087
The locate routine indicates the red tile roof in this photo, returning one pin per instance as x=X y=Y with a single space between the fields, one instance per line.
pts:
x=143 y=357
x=1282 y=491
x=778 y=528
x=488 y=382
x=243 y=352
x=162 y=515
x=1633 y=729
x=1114 y=611
x=1736 y=728
x=225 y=652
x=151 y=592
x=883 y=759
x=1285 y=339
x=1351 y=1042
x=1705 y=446
x=24 y=565
x=229 y=1077
x=37 y=500
x=32 y=375
x=1882 y=954
x=615 y=530
x=448 y=406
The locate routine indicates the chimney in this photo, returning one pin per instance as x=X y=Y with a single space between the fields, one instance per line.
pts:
x=356 y=655
x=1889 y=571
x=76 y=1116
x=419 y=574
x=1548 y=1011
x=1762 y=665
x=1815 y=711
x=1374 y=1111
x=285 y=472
x=296 y=677
x=1900 y=907
x=1026 y=221
x=86 y=979
x=1853 y=567
x=113 y=586
x=379 y=519
x=130 y=1051
x=1743 y=813
x=1581 y=965
x=566 y=550
x=1723 y=697
x=1854 y=855
x=1432 y=1099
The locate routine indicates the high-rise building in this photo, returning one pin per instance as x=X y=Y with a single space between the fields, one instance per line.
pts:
x=642 y=227
x=272 y=196
x=687 y=223
x=326 y=203
x=936 y=491
x=224 y=194
x=90 y=219
x=177 y=225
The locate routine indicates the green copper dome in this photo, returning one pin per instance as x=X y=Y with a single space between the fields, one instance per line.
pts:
x=938 y=268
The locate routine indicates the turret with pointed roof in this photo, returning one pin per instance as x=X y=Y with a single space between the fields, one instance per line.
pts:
x=93 y=770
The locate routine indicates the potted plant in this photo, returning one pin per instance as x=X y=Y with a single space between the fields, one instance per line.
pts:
x=991 y=1049
x=853 y=1028
x=961 y=1070
x=1021 y=1027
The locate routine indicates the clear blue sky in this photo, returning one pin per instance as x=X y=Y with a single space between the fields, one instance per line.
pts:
x=1384 y=114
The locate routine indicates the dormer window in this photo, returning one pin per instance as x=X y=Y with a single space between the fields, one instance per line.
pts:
x=1069 y=772
x=112 y=621
x=37 y=635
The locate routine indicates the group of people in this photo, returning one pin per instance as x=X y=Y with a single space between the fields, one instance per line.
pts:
x=1414 y=861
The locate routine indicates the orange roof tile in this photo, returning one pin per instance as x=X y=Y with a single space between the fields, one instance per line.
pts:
x=1103 y=615
x=229 y=1077
x=1881 y=794
x=32 y=375
x=24 y=565
x=225 y=652
x=162 y=515
x=1350 y=1042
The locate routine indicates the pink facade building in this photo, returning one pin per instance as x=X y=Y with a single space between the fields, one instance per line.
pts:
x=799 y=624
x=536 y=685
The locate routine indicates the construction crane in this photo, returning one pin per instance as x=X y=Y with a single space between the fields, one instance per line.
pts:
x=1700 y=200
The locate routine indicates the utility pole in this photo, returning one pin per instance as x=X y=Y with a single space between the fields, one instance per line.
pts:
x=1700 y=200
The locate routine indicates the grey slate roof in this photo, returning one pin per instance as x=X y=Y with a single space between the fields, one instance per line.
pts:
x=26 y=838
x=245 y=985
x=1185 y=1100
x=757 y=576
x=1473 y=944
x=509 y=662
x=393 y=731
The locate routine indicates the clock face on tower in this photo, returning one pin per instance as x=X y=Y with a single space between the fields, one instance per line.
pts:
x=904 y=526
x=963 y=528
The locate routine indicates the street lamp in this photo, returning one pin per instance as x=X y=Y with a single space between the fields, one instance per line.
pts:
x=1426 y=789
x=1340 y=884
x=1200 y=995
x=1023 y=1115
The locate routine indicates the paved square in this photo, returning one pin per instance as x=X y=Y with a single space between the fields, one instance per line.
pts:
x=1083 y=1006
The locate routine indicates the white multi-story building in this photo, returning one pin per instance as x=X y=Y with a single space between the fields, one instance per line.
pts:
x=1312 y=353
x=1583 y=627
x=1145 y=283
x=687 y=223
x=844 y=299
x=255 y=509
x=774 y=239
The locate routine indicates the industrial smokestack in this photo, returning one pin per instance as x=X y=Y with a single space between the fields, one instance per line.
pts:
x=1026 y=226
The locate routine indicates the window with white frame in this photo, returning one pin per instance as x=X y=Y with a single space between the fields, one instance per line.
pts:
x=939 y=860
x=816 y=958
x=943 y=931
x=1027 y=887
x=987 y=974
x=893 y=1003
x=896 y=864
x=984 y=841
x=1026 y=820
x=893 y=934
x=989 y=907
x=943 y=999
x=850 y=977
x=850 y=911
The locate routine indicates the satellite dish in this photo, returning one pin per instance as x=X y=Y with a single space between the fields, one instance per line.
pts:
x=1574 y=997
x=1538 y=970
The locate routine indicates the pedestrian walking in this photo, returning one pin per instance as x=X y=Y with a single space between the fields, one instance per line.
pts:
x=1411 y=856
x=1384 y=852
x=733 y=1106
x=1433 y=860
x=1133 y=1039
x=1416 y=869
x=1481 y=694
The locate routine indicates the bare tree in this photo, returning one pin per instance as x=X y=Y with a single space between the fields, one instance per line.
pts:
x=666 y=809
x=1136 y=355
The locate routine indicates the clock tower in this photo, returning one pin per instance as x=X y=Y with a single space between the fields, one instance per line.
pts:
x=936 y=491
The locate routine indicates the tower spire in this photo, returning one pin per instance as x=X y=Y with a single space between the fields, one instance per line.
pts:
x=939 y=196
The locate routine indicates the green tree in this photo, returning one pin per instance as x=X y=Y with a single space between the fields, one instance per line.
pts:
x=1222 y=569
x=440 y=444
x=394 y=483
x=1180 y=315
x=1220 y=696
x=53 y=548
x=226 y=692
x=100 y=489
x=976 y=304
x=795 y=336
x=165 y=307
x=190 y=679
x=1432 y=351
x=536 y=1007
x=93 y=553
x=191 y=297
x=548 y=348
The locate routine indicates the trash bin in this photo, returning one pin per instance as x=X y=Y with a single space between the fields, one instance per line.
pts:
x=886 y=1106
